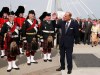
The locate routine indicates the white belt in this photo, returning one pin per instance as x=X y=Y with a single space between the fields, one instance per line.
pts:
x=45 y=31
x=14 y=36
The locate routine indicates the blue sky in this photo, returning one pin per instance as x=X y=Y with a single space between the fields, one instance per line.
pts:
x=40 y=6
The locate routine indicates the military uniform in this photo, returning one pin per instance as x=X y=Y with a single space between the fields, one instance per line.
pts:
x=29 y=33
x=11 y=41
x=20 y=20
x=2 y=21
x=47 y=31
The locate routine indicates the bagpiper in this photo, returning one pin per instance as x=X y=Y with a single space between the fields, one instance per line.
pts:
x=3 y=19
x=10 y=31
x=29 y=34
x=20 y=20
x=47 y=32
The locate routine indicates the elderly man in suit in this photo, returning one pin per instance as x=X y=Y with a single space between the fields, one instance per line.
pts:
x=69 y=28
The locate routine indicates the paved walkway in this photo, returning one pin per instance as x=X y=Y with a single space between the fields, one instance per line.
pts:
x=86 y=62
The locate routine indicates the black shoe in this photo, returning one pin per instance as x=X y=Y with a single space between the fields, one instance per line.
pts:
x=50 y=60
x=95 y=45
x=88 y=43
x=84 y=43
x=2 y=56
x=69 y=72
x=79 y=43
x=45 y=60
x=59 y=69
x=35 y=62
x=28 y=64
x=16 y=68
x=9 y=70
x=92 y=46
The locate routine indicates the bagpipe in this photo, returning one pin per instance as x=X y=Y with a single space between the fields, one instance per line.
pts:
x=10 y=45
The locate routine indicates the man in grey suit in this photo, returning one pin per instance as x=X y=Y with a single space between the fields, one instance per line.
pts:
x=88 y=26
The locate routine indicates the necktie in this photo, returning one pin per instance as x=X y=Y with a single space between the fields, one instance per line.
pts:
x=66 y=27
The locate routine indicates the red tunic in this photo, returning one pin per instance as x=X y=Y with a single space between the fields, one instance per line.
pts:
x=2 y=21
x=20 y=21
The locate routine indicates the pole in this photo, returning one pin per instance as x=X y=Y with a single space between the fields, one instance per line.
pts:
x=49 y=6
x=55 y=5
x=84 y=10
x=88 y=8
x=71 y=9
x=76 y=8
x=10 y=6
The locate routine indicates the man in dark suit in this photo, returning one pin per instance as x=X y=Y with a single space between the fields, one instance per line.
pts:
x=80 y=28
x=69 y=28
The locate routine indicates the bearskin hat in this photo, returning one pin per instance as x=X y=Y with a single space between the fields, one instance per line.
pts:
x=44 y=15
x=5 y=10
x=20 y=9
x=0 y=14
x=11 y=13
x=31 y=12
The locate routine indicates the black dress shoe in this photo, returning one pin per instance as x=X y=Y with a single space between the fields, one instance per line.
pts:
x=84 y=43
x=92 y=45
x=2 y=56
x=9 y=70
x=88 y=43
x=69 y=72
x=45 y=60
x=16 y=68
x=59 y=69
x=50 y=60
x=35 y=62
x=28 y=64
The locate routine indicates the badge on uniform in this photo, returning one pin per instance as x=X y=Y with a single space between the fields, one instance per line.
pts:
x=71 y=28
x=45 y=27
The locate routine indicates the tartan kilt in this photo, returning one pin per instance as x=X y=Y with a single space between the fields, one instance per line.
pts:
x=12 y=53
x=8 y=50
x=1 y=43
x=47 y=45
x=32 y=46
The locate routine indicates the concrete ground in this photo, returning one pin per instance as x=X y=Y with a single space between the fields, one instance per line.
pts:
x=86 y=61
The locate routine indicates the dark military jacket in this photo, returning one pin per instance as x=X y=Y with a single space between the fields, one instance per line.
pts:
x=47 y=29
x=7 y=28
x=28 y=32
x=12 y=33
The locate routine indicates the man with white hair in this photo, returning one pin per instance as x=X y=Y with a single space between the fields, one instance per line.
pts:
x=69 y=30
